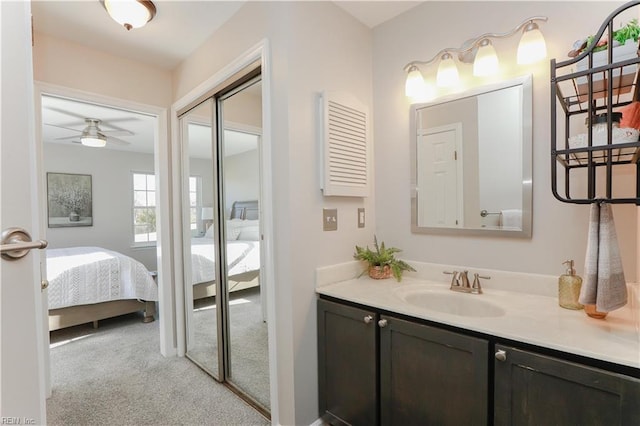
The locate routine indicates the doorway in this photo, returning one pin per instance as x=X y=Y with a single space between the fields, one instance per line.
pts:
x=132 y=134
x=226 y=319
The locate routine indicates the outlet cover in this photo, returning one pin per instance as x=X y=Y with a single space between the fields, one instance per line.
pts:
x=361 y=217
x=329 y=219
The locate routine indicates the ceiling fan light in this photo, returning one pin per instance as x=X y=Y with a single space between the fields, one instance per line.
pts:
x=91 y=135
x=130 y=13
x=94 y=141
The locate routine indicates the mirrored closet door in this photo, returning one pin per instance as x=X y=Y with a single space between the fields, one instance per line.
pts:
x=226 y=318
x=199 y=197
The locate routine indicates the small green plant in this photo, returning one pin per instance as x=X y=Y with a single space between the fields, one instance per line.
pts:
x=382 y=256
x=631 y=31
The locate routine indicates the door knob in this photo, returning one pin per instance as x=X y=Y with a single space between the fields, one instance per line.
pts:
x=382 y=323
x=44 y=284
x=368 y=319
x=501 y=355
x=16 y=243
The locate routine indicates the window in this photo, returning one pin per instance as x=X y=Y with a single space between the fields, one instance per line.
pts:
x=195 y=203
x=144 y=208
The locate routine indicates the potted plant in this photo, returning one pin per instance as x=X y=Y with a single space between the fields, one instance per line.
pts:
x=382 y=261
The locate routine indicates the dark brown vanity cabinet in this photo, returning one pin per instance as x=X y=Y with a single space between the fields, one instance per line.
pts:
x=430 y=376
x=378 y=369
x=532 y=389
x=347 y=374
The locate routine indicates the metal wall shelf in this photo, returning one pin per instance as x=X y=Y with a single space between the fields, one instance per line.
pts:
x=601 y=86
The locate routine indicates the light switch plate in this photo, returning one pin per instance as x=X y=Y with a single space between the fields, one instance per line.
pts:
x=329 y=219
x=361 y=217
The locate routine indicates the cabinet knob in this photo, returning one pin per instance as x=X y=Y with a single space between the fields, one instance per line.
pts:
x=501 y=355
x=382 y=323
x=368 y=319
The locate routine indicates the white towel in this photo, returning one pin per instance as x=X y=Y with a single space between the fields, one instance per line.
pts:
x=604 y=283
x=511 y=218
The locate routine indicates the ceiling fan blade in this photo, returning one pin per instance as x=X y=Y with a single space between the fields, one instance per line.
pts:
x=63 y=127
x=122 y=132
x=66 y=112
x=116 y=141
x=67 y=138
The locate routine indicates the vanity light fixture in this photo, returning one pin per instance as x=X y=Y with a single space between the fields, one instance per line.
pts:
x=130 y=13
x=92 y=136
x=481 y=53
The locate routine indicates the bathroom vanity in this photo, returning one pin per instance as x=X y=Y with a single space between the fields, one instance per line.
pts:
x=416 y=353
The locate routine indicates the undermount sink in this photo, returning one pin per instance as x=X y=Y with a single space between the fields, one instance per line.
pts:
x=467 y=305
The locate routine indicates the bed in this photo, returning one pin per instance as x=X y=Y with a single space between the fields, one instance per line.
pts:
x=243 y=253
x=87 y=284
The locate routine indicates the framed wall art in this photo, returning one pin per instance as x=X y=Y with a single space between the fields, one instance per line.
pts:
x=69 y=200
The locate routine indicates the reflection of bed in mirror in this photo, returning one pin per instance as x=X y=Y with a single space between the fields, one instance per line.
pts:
x=243 y=253
x=87 y=284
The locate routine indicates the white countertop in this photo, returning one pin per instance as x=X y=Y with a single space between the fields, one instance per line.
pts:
x=527 y=317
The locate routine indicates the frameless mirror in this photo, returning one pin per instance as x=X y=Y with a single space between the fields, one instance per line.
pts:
x=471 y=162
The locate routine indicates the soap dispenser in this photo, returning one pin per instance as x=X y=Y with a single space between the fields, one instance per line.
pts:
x=569 y=285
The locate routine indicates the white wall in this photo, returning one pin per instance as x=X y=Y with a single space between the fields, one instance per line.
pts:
x=559 y=230
x=315 y=46
x=111 y=176
x=242 y=177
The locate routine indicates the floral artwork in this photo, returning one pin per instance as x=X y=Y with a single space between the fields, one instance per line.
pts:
x=69 y=200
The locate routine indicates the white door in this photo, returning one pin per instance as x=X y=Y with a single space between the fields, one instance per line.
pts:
x=22 y=392
x=439 y=155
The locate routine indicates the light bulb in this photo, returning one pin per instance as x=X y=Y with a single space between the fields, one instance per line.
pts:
x=486 y=61
x=447 y=72
x=414 y=87
x=532 y=47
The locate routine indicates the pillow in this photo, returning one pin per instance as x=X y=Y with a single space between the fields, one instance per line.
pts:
x=250 y=232
x=234 y=226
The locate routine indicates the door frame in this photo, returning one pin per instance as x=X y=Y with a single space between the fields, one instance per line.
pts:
x=259 y=52
x=162 y=167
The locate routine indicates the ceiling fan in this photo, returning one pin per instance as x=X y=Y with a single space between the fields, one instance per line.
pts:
x=92 y=135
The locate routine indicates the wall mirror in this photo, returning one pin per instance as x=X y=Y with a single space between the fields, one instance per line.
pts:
x=471 y=162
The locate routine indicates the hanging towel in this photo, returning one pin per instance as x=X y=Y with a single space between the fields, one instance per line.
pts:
x=604 y=283
x=511 y=218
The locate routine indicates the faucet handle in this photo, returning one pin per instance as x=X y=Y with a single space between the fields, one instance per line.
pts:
x=454 y=278
x=476 y=287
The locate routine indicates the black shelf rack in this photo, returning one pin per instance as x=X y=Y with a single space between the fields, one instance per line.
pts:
x=578 y=94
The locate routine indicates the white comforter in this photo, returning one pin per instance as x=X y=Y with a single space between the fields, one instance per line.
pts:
x=85 y=275
x=242 y=256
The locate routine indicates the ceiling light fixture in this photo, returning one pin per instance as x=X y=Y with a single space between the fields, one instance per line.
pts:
x=130 y=13
x=91 y=135
x=481 y=53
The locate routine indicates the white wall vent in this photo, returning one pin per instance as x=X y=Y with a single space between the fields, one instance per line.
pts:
x=345 y=144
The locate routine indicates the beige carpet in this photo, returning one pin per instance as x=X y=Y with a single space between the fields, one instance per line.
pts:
x=115 y=375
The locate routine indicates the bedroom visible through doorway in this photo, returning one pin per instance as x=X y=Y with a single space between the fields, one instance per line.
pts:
x=99 y=200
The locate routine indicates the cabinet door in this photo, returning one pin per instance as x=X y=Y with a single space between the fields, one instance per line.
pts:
x=347 y=355
x=430 y=376
x=532 y=389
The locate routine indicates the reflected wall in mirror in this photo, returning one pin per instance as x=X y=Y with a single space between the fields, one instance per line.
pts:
x=471 y=165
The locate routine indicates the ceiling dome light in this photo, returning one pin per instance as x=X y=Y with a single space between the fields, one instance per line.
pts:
x=532 y=47
x=447 y=72
x=486 y=62
x=130 y=13
x=92 y=136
